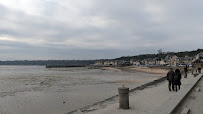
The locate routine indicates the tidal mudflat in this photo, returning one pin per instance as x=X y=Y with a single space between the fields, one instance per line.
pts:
x=35 y=89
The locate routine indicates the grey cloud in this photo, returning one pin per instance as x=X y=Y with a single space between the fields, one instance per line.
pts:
x=105 y=29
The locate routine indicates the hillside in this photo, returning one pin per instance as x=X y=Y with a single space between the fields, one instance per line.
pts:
x=163 y=55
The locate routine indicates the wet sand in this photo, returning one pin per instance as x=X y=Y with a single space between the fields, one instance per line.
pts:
x=35 y=89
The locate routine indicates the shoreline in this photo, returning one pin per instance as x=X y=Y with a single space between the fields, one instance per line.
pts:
x=159 y=70
x=149 y=70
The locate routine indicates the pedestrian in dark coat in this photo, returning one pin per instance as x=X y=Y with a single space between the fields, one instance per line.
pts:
x=177 y=79
x=170 y=78
x=186 y=70
x=199 y=70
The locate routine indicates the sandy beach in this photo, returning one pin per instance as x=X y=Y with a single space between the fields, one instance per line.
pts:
x=146 y=70
x=35 y=89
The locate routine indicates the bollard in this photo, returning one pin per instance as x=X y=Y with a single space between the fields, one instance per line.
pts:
x=123 y=97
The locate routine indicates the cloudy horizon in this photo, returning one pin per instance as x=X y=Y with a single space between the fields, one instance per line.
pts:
x=97 y=29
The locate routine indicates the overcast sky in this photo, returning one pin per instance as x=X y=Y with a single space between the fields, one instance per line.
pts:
x=95 y=29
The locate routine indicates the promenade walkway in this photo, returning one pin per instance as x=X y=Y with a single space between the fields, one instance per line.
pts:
x=144 y=101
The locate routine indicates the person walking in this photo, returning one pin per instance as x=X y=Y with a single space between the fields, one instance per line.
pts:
x=177 y=79
x=199 y=70
x=186 y=70
x=170 y=78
